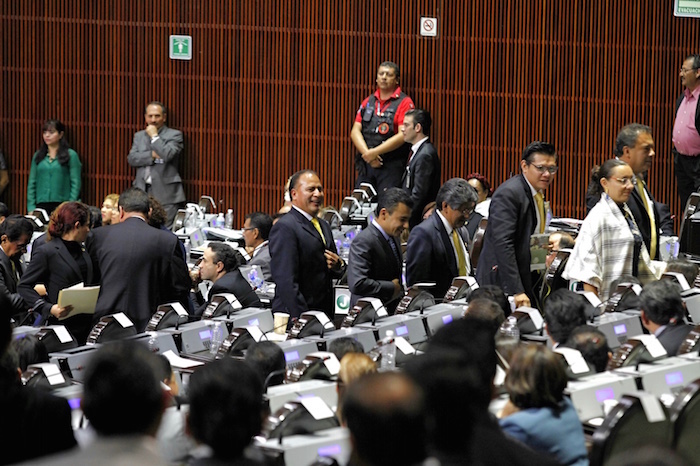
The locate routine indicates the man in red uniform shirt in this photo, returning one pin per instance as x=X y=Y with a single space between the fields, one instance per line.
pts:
x=382 y=152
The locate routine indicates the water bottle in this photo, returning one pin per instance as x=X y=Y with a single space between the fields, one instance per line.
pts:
x=229 y=219
x=255 y=278
x=217 y=338
x=153 y=343
x=220 y=221
x=509 y=329
x=188 y=249
x=388 y=352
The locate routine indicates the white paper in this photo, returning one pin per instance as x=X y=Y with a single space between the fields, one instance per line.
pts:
x=316 y=407
x=180 y=363
x=255 y=332
x=61 y=333
x=177 y=307
x=574 y=359
x=592 y=298
x=534 y=314
x=123 y=320
x=653 y=345
x=52 y=373
x=652 y=407
x=403 y=345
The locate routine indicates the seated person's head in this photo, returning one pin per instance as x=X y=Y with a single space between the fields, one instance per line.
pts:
x=344 y=345
x=629 y=300
x=225 y=254
x=536 y=378
x=225 y=406
x=158 y=216
x=121 y=393
x=661 y=304
x=352 y=367
x=10 y=373
x=30 y=350
x=386 y=418
x=592 y=345
x=494 y=293
x=256 y=228
x=557 y=241
x=485 y=309
x=563 y=312
x=428 y=210
x=267 y=359
x=481 y=185
x=688 y=269
x=4 y=212
x=110 y=209
x=166 y=375
x=473 y=338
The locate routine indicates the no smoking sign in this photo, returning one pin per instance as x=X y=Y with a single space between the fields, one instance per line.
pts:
x=428 y=26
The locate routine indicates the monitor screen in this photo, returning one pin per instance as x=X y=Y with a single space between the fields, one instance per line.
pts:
x=205 y=334
x=604 y=394
x=447 y=319
x=401 y=331
x=291 y=356
x=674 y=378
x=620 y=329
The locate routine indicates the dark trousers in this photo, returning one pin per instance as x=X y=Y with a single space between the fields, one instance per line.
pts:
x=688 y=175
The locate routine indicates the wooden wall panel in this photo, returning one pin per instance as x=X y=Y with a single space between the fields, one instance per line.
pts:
x=273 y=86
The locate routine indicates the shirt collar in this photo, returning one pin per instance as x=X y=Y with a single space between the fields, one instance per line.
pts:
x=381 y=230
x=533 y=191
x=446 y=224
x=395 y=95
x=260 y=246
x=688 y=94
x=308 y=217
x=416 y=146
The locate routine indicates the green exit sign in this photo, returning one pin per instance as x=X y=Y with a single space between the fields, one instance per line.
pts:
x=181 y=47
x=689 y=8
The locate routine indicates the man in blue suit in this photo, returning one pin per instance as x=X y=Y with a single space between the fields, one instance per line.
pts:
x=436 y=250
x=303 y=256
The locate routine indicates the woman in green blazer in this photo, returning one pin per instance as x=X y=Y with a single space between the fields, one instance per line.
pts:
x=54 y=176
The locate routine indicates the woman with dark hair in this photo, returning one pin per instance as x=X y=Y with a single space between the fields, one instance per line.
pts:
x=483 y=192
x=54 y=176
x=58 y=264
x=609 y=243
x=537 y=413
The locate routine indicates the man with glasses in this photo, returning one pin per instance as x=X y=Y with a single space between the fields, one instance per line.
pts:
x=436 y=250
x=634 y=145
x=686 y=136
x=256 y=234
x=15 y=233
x=421 y=178
x=518 y=210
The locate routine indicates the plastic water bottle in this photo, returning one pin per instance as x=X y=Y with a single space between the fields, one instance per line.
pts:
x=509 y=329
x=217 y=337
x=220 y=221
x=188 y=249
x=388 y=352
x=153 y=343
x=255 y=278
x=229 y=219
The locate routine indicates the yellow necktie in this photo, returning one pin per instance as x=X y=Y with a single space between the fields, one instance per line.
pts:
x=317 y=226
x=652 y=220
x=539 y=200
x=461 y=260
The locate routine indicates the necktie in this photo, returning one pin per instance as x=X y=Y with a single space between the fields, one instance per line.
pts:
x=395 y=251
x=461 y=259
x=539 y=200
x=317 y=226
x=652 y=220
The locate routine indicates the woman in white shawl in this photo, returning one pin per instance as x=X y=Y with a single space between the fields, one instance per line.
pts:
x=609 y=244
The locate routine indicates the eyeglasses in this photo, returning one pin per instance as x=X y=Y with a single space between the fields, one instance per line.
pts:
x=544 y=168
x=684 y=70
x=626 y=181
x=248 y=229
x=467 y=211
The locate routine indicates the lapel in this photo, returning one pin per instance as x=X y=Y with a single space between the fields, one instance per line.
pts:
x=530 y=202
x=387 y=248
x=70 y=262
x=308 y=227
x=447 y=248
x=7 y=270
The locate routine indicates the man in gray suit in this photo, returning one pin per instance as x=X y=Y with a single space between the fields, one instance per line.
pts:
x=155 y=153
x=256 y=231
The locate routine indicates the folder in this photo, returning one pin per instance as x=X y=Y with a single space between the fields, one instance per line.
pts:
x=82 y=298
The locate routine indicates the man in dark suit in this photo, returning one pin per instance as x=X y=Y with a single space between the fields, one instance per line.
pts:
x=256 y=233
x=220 y=266
x=421 y=180
x=634 y=145
x=662 y=314
x=436 y=250
x=517 y=211
x=376 y=262
x=303 y=253
x=15 y=234
x=155 y=153
x=138 y=267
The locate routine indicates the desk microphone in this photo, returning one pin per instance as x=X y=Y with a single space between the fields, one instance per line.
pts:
x=291 y=320
x=240 y=300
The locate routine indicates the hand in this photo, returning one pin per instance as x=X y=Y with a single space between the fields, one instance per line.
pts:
x=194 y=276
x=373 y=158
x=59 y=312
x=333 y=260
x=154 y=156
x=152 y=131
x=397 y=288
x=521 y=299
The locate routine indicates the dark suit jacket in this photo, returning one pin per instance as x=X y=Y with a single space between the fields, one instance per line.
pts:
x=662 y=216
x=422 y=180
x=233 y=282
x=372 y=266
x=430 y=256
x=138 y=267
x=262 y=260
x=10 y=301
x=302 y=278
x=166 y=184
x=671 y=338
x=505 y=257
x=53 y=266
